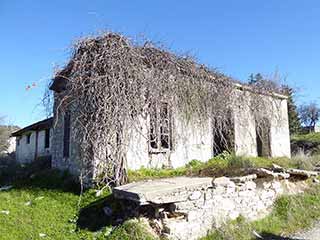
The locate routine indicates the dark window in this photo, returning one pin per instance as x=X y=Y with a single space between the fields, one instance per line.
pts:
x=263 y=138
x=18 y=141
x=47 y=138
x=223 y=135
x=160 y=127
x=28 y=138
x=66 y=136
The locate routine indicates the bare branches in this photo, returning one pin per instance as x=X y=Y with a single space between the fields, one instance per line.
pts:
x=110 y=83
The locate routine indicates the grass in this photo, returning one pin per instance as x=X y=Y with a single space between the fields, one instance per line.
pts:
x=223 y=165
x=132 y=230
x=310 y=137
x=290 y=214
x=44 y=204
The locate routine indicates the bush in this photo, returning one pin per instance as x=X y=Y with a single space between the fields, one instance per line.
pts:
x=133 y=230
x=307 y=143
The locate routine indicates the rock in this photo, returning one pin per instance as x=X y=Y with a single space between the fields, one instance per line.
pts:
x=315 y=180
x=304 y=173
x=266 y=185
x=195 y=195
x=244 y=179
x=269 y=194
x=28 y=203
x=42 y=235
x=223 y=182
x=161 y=191
x=99 y=193
x=5 y=188
x=276 y=167
x=6 y=212
x=107 y=211
x=234 y=215
x=276 y=186
x=262 y=172
x=250 y=185
x=257 y=235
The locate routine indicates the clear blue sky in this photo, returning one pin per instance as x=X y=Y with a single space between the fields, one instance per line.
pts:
x=237 y=37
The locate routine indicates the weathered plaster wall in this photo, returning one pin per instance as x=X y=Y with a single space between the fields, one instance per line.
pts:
x=42 y=150
x=189 y=142
x=245 y=126
x=280 y=134
x=25 y=153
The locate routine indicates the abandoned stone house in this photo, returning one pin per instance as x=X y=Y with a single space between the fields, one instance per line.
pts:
x=47 y=139
x=163 y=139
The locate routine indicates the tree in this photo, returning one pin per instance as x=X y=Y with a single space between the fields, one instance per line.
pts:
x=309 y=114
x=254 y=79
x=294 y=120
x=4 y=136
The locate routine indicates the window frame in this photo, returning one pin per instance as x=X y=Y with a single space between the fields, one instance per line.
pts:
x=66 y=135
x=47 y=138
x=28 y=138
x=163 y=128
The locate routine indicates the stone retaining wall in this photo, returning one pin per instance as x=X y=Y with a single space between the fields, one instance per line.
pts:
x=188 y=208
x=210 y=208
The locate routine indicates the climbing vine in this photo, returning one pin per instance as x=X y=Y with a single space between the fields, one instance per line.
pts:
x=111 y=83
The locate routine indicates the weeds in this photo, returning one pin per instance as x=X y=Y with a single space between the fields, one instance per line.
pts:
x=224 y=164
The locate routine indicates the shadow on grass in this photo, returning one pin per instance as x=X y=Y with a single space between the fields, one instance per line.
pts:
x=270 y=236
x=38 y=175
x=94 y=218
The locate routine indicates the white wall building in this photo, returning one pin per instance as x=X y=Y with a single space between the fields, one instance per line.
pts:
x=33 y=141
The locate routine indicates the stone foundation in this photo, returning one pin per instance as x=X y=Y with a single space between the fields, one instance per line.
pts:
x=188 y=208
x=210 y=208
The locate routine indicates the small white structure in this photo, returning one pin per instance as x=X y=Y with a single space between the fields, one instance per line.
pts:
x=33 y=141
x=317 y=128
x=12 y=145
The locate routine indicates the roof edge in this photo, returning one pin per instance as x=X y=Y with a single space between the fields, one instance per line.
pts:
x=41 y=125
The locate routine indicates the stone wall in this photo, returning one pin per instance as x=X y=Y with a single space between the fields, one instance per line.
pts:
x=58 y=160
x=188 y=208
x=210 y=208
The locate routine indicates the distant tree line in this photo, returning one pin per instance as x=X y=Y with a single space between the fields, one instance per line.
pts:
x=5 y=133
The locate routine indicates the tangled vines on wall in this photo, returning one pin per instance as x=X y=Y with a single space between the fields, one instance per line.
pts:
x=112 y=82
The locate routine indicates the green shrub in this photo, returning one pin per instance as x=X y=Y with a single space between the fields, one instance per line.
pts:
x=311 y=137
x=132 y=230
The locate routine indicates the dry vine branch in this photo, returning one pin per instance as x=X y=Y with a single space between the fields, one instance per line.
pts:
x=110 y=83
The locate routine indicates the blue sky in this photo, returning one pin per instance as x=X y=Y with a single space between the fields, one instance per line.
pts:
x=237 y=37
